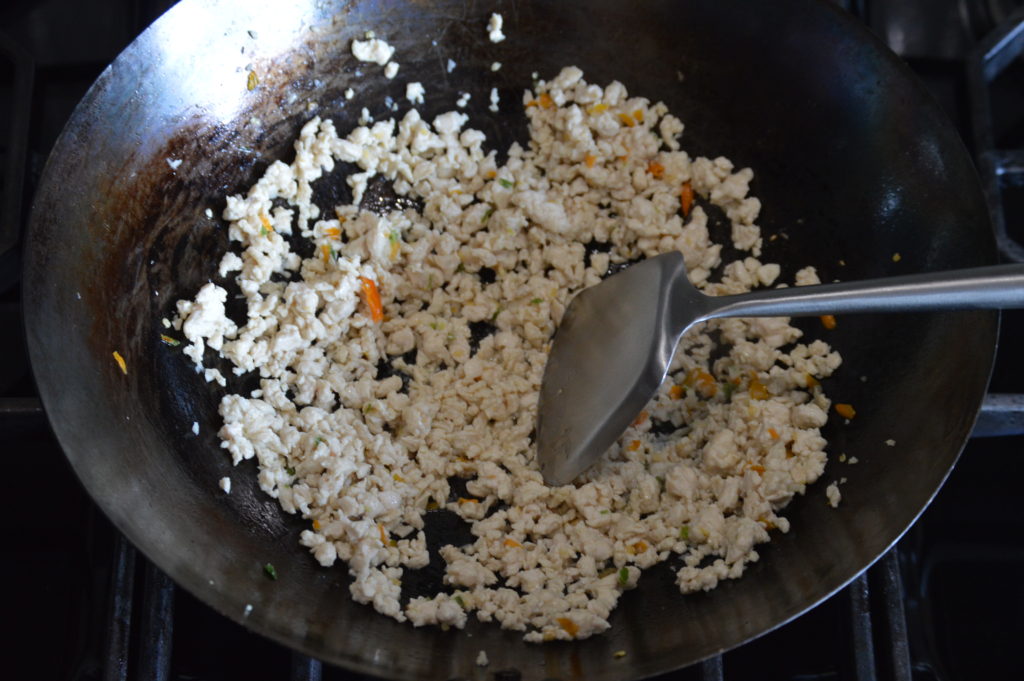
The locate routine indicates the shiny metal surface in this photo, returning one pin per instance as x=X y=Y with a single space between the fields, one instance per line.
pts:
x=610 y=355
x=831 y=121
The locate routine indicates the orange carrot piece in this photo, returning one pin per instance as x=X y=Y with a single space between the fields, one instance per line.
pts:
x=372 y=297
x=686 y=198
x=570 y=627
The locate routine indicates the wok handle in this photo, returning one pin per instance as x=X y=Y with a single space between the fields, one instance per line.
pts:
x=997 y=287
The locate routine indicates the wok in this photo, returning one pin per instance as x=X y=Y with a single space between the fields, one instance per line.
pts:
x=854 y=162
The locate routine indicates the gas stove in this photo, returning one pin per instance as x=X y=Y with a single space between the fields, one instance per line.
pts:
x=943 y=604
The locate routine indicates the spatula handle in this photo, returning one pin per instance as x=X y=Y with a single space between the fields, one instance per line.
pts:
x=1000 y=286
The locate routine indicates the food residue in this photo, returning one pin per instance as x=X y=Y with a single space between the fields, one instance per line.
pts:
x=494 y=25
x=373 y=50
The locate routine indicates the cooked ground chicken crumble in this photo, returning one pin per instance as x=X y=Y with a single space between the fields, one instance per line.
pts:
x=363 y=454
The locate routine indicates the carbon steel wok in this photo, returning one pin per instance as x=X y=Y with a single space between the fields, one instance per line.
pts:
x=854 y=163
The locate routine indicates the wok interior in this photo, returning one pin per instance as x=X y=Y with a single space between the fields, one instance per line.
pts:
x=853 y=163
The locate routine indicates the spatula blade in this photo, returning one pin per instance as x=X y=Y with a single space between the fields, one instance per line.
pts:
x=609 y=355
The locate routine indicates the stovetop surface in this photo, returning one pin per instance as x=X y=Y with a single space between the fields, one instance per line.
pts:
x=961 y=563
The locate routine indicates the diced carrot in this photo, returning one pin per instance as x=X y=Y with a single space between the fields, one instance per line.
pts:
x=811 y=381
x=757 y=468
x=656 y=169
x=703 y=381
x=532 y=102
x=265 y=221
x=639 y=115
x=512 y=544
x=316 y=524
x=325 y=252
x=774 y=433
x=120 y=362
x=686 y=198
x=758 y=391
x=332 y=232
x=637 y=547
x=828 y=321
x=640 y=418
x=590 y=159
x=383 y=534
x=467 y=500
x=545 y=100
x=597 y=108
x=491 y=174
x=846 y=410
x=627 y=120
x=634 y=445
x=372 y=297
x=676 y=392
x=570 y=627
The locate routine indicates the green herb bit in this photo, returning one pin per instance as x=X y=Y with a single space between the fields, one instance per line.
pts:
x=460 y=268
x=536 y=301
x=458 y=599
x=727 y=390
x=606 y=572
x=487 y=215
x=393 y=236
x=684 y=532
x=494 y=317
x=506 y=183
x=264 y=231
x=270 y=570
x=623 y=576
x=319 y=440
x=167 y=340
x=290 y=470
x=367 y=408
x=605 y=512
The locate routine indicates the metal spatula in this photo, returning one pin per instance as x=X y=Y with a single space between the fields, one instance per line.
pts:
x=616 y=340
